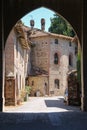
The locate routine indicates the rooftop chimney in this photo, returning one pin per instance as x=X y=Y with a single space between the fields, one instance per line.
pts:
x=32 y=23
x=42 y=24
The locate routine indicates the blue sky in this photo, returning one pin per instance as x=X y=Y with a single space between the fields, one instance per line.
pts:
x=36 y=15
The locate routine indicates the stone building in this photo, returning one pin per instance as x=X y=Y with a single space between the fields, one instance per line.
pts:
x=52 y=57
x=39 y=59
x=16 y=63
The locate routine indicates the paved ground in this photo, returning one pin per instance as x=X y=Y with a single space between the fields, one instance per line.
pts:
x=44 y=113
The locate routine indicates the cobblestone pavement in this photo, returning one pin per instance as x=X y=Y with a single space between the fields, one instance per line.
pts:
x=43 y=113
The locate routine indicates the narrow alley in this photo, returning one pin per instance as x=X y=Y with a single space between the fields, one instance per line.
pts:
x=43 y=113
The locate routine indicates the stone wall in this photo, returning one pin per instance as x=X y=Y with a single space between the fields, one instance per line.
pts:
x=9 y=53
x=37 y=84
x=10 y=91
x=59 y=71
x=74 y=92
x=16 y=64
x=40 y=53
x=42 y=56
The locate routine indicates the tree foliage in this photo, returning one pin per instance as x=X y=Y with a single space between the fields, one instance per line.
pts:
x=60 y=26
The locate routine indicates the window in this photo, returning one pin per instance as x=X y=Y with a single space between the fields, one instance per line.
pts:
x=70 y=60
x=55 y=58
x=32 y=83
x=70 y=44
x=56 y=41
x=56 y=82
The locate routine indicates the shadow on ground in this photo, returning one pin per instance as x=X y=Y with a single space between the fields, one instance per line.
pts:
x=60 y=104
x=44 y=121
x=71 y=118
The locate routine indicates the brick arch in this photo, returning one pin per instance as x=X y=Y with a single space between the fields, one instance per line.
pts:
x=16 y=9
x=13 y=10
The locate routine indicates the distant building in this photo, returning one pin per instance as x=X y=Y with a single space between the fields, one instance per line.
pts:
x=39 y=59
x=52 y=56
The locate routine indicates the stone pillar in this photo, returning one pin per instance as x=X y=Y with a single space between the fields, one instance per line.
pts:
x=1 y=77
x=84 y=57
x=2 y=61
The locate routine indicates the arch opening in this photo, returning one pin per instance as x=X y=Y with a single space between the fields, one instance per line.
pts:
x=39 y=62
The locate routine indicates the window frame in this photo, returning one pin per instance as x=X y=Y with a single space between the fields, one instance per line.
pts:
x=57 y=83
x=56 y=59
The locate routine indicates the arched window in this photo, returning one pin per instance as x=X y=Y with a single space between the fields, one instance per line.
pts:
x=56 y=82
x=70 y=44
x=70 y=60
x=32 y=83
x=55 y=58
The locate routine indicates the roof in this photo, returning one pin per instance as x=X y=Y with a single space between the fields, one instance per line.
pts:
x=20 y=31
x=37 y=71
x=39 y=33
x=35 y=33
x=75 y=39
x=72 y=72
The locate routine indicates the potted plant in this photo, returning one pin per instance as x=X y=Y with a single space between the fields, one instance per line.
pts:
x=27 y=90
x=22 y=94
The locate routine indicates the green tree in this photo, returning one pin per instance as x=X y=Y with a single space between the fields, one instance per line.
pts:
x=60 y=26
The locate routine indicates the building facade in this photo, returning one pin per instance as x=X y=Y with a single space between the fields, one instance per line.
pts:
x=16 y=63
x=38 y=59
x=52 y=56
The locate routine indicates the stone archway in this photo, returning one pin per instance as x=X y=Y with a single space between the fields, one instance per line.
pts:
x=12 y=11
x=20 y=8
